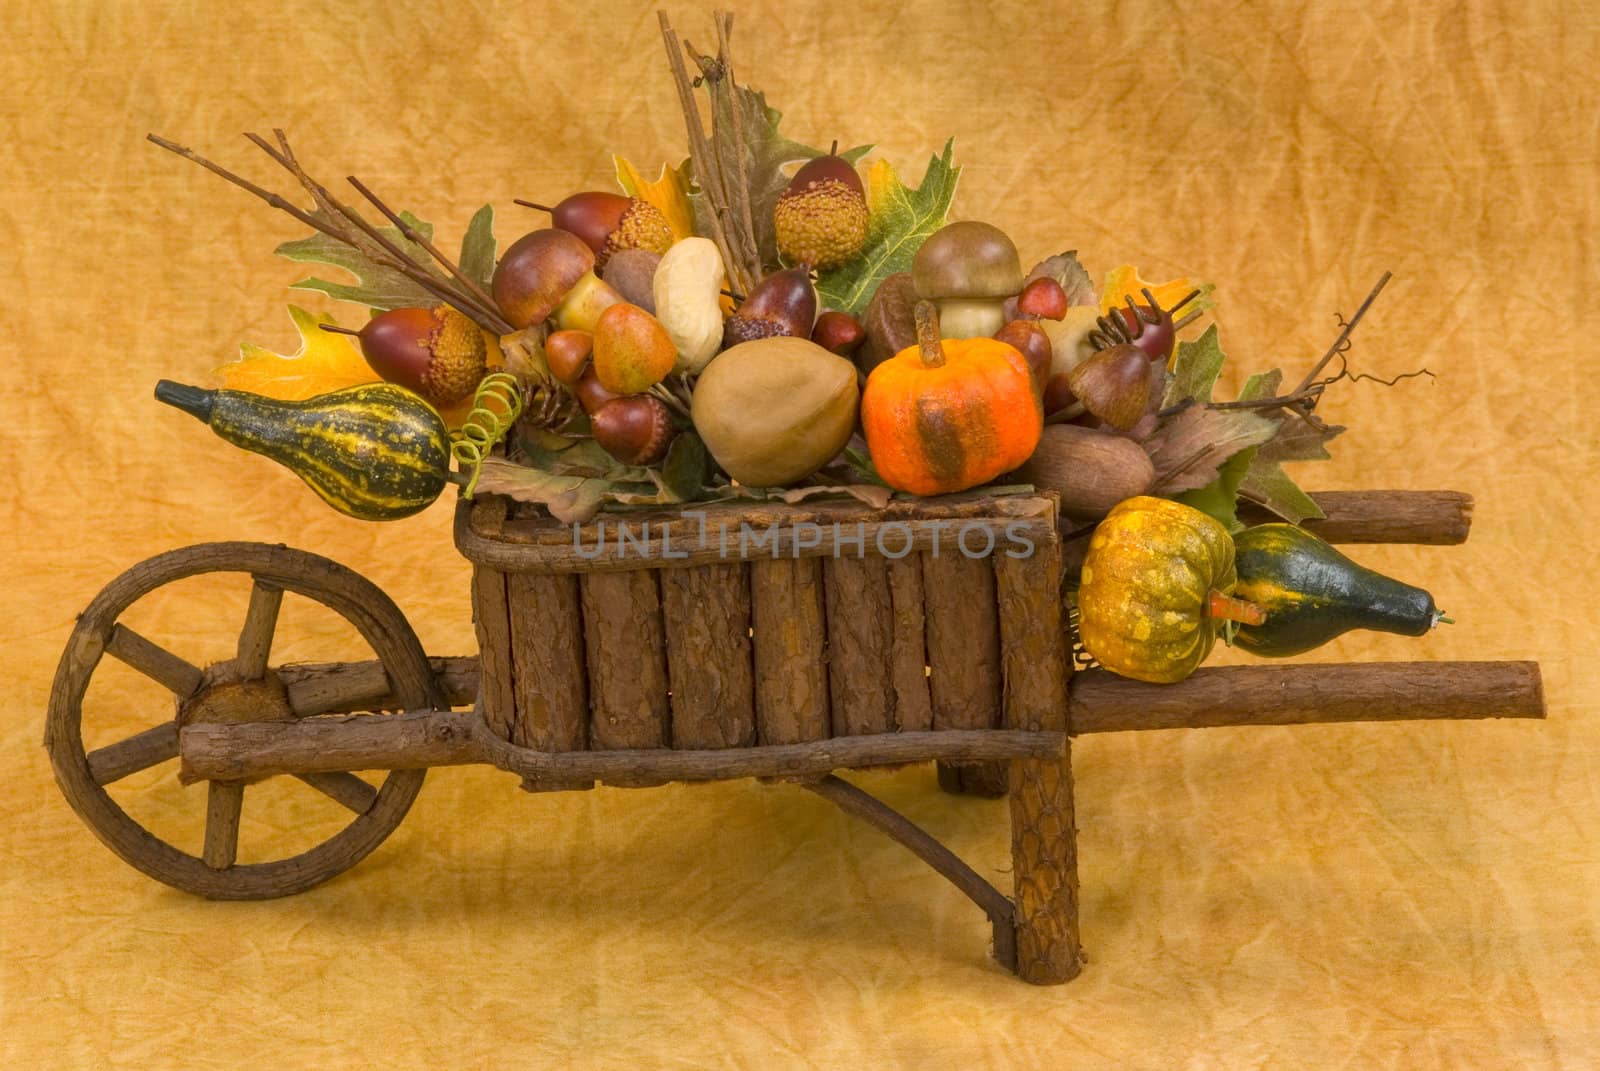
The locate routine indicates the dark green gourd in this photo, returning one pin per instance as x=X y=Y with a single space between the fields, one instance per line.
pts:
x=1312 y=593
x=374 y=452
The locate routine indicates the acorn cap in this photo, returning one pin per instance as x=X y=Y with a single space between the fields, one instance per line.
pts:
x=968 y=259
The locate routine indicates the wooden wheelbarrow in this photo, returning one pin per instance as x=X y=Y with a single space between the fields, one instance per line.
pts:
x=778 y=642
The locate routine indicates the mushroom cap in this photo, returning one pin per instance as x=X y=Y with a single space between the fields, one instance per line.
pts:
x=968 y=259
x=536 y=272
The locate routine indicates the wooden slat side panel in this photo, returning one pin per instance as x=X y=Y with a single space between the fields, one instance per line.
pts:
x=963 y=637
x=913 y=706
x=860 y=644
x=791 y=673
x=491 y=618
x=550 y=684
x=626 y=654
x=706 y=609
x=963 y=640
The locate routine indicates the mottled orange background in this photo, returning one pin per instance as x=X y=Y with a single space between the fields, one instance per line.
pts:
x=1388 y=895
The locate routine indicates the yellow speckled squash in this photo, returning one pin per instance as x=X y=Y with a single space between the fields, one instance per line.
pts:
x=1153 y=587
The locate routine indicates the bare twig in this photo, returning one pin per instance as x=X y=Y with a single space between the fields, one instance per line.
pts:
x=376 y=245
x=245 y=184
x=411 y=234
x=1344 y=335
x=741 y=162
x=705 y=165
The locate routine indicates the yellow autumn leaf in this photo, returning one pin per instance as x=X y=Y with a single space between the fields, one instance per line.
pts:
x=667 y=193
x=325 y=362
x=1124 y=282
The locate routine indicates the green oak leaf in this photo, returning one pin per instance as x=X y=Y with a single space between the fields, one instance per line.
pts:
x=478 y=248
x=687 y=468
x=901 y=219
x=1269 y=486
x=1195 y=369
x=1220 y=497
x=377 y=287
x=1265 y=483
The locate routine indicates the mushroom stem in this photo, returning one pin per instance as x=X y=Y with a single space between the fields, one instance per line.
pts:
x=928 y=341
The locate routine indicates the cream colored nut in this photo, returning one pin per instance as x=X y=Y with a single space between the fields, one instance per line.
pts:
x=687 y=285
x=1069 y=337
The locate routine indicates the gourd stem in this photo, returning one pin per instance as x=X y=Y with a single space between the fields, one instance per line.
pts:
x=1221 y=607
x=927 y=317
x=196 y=401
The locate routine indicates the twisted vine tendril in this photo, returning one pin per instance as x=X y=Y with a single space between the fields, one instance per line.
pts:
x=495 y=408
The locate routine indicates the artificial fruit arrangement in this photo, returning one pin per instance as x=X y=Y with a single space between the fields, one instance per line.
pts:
x=772 y=321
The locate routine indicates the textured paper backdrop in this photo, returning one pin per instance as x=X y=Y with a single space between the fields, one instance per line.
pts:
x=1358 y=896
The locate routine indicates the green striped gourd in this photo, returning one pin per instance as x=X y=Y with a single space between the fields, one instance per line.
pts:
x=1312 y=593
x=374 y=452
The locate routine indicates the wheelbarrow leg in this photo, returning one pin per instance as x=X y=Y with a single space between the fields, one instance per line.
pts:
x=1044 y=860
x=1044 y=851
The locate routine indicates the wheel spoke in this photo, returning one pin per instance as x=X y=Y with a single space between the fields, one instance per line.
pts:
x=222 y=824
x=155 y=662
x=116 y=761
x=344 y=788
x=255 y=639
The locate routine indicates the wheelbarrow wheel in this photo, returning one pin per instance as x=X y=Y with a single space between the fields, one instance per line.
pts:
x=242 y=688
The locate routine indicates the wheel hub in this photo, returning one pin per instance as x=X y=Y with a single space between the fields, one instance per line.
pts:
x=223 y=697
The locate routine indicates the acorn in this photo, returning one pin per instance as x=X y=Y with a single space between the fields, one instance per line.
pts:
x=1042 y=298
x=1029 y=339
x=784 y=303
x=821 y=217
x=635 y=429
x=437 y=353
x=890 y=322
x=838 y=332
x=566 y=354
x=590 y=394
x=537 y=272
x=610 y=222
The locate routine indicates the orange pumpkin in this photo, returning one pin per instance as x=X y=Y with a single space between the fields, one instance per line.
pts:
x=946 y=415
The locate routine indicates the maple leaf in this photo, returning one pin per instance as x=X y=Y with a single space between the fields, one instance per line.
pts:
x=325 y=362
x=669 y=192
x=1298 y=439
x=1190 y=448
x=377 y=287
x=901 y=220
x=1124 y=282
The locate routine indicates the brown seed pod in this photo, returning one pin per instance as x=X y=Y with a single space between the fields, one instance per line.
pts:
x=1114 y=385
x=891 y=321
x=1090 y=471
